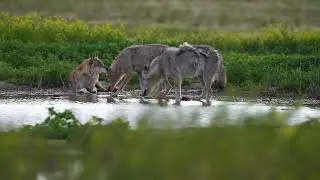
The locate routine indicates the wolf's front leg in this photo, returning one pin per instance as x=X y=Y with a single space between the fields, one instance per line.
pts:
x=203 y=88
x=80 y=88
x=125 y=81
x=168 y=87
x=100 y=87
x=91 y=88
x=178 y=82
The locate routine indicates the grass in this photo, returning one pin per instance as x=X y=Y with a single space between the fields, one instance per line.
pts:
x=258 y=148
x=213 y=14
x=41 y=51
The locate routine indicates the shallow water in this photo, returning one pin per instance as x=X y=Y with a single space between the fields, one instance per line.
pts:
x=17 y=111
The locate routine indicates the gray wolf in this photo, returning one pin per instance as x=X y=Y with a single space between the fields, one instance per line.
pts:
x=129 y=60
x=220 y=76
x=177 y=63
x=85 y=77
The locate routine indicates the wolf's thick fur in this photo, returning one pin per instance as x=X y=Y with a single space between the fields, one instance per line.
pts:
x=218 y=68
x=220 y=76
x=85 y=77
x=184 y=61
x=129 y=60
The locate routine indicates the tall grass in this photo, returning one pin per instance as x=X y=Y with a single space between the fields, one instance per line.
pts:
x=259 y=148
x=244 y=15
x=277 y=39
x=42 y=51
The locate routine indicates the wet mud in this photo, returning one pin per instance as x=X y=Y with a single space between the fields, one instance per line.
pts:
x=189 y=93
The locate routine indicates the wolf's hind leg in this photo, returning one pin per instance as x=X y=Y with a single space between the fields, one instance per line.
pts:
x=178 y=82
x=208 y=83
x=203 y=87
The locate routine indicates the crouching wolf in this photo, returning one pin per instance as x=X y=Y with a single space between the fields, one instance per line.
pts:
x=177 y=63
x=85 y=77
x=129 y=60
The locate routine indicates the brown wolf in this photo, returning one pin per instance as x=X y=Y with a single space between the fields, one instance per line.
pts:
x=85 y=77
x=129 y=60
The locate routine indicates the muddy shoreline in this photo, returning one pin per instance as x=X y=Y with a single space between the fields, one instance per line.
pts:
x=188 y=92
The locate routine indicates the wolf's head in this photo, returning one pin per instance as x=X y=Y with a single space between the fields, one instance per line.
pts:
x=150 y=75
x=96 y=66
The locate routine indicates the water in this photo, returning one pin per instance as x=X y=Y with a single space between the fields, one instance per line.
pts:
x=20 y=110
x=17 y=111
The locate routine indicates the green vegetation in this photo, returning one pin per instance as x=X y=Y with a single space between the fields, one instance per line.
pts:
x=258 y=148
x=41 y=51
x=259 y=55
x=231 y=15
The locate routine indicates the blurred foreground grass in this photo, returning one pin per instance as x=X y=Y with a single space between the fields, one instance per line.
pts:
x=258 y=148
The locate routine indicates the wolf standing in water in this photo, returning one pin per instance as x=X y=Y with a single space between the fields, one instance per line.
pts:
x=129 y=60
x=184 y=61
x=85 y=77
x=216 y=65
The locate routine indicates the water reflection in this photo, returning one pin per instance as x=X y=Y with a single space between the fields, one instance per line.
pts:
x=72 y=170
x=20 y=111
x=92 y=98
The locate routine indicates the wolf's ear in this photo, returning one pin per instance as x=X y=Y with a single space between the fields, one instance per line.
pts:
x=96 y=56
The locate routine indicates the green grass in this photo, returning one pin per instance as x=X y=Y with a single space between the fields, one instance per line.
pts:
x=41 y=51
x=258 y=148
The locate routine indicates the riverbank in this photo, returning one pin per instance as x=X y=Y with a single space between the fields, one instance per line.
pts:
x=189 y=92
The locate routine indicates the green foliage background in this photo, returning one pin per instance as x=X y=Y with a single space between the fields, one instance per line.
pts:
x=42 y=51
